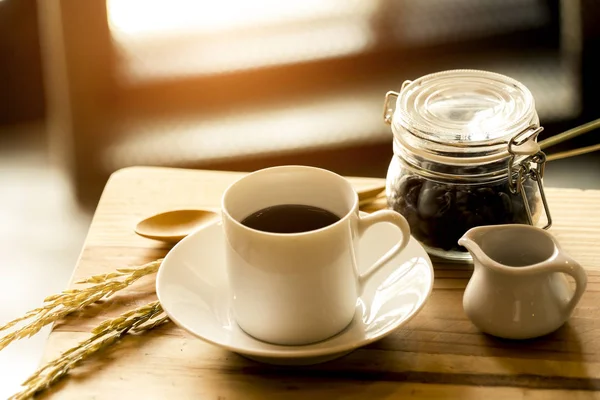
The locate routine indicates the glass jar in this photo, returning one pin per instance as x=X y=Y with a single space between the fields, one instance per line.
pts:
x=465 y=155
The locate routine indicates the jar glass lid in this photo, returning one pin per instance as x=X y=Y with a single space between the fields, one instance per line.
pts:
x=465 y=107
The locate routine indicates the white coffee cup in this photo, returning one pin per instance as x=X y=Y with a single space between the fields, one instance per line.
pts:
x=298 y=288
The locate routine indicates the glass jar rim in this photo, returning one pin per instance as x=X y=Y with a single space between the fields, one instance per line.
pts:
x=469 y=112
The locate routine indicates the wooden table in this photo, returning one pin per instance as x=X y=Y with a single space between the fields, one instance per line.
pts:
x=439 y=354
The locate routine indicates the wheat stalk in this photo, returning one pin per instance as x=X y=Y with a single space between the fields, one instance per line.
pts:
x=58 y=306
x=107 y=333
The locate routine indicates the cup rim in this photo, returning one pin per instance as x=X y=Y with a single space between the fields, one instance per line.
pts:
x=342 y=219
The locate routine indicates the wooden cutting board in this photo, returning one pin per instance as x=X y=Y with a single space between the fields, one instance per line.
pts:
x=439 y=354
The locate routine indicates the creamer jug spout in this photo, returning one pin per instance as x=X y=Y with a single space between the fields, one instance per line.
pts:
x=472 y=240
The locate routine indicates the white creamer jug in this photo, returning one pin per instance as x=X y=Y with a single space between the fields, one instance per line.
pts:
x=519 y=289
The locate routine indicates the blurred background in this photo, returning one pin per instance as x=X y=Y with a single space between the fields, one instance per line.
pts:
x=88 y=87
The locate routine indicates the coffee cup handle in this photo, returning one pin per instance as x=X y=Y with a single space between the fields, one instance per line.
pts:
x=383 y=216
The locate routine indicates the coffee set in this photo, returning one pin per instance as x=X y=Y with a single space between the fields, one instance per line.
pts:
x=293 y=273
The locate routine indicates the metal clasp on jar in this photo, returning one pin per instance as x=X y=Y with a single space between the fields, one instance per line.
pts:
x=388 y=112
x=532 y=166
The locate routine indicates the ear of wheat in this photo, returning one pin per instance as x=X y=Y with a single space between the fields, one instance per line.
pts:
x=107 y=333
x=57 y=306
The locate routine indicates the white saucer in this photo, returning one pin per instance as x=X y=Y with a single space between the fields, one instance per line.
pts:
x=193 y=289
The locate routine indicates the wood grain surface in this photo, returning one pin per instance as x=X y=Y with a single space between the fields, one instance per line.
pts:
x=438 y=355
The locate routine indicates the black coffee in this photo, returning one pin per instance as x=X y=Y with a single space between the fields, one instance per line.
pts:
x=290 y=218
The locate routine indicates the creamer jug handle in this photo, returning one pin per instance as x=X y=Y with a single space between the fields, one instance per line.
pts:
x=567 y=265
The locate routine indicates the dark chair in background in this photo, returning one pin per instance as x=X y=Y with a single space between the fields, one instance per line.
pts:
x=285 y=83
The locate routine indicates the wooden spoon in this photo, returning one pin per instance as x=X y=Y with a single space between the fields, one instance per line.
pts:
x=172 y=226
x=370 y=193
